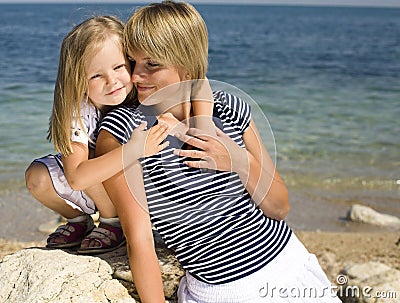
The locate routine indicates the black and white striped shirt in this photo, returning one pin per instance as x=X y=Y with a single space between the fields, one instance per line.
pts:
x=208 y=218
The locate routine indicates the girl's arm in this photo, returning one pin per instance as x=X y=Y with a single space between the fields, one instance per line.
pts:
x=82 y=172
x=202 y=118
x=253 y=164
x=126 y=190
x=202 y=101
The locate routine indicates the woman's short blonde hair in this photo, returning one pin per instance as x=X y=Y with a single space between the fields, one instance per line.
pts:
x=173 y=33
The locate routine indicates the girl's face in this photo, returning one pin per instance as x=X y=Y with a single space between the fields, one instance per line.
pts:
x=108 y=73
x=149 y=76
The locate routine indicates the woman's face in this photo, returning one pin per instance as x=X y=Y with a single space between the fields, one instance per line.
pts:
x=108 y=73
x=149 y=75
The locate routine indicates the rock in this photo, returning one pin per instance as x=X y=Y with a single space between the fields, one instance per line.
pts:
x=329 y=264
x=171 y=273
x=38 y=275
x=43 y=275
x=364 y=214
x=371 y=282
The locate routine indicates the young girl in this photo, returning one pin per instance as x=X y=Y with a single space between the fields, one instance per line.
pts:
x=93 y=75
x=226 y=226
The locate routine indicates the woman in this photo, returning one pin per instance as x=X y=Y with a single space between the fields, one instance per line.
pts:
x=226 y=225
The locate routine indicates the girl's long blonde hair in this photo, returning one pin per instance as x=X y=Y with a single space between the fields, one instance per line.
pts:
x=82 y=42
x=171 y=32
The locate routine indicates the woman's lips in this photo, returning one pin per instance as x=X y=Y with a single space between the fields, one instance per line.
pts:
x=143 y=88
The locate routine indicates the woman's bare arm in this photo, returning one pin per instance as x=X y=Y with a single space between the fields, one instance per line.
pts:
x=126 y=190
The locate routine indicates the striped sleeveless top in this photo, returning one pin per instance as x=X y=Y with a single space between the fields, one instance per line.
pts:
x=208 y=218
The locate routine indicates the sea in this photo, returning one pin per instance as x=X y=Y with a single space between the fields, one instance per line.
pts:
x=323 y=83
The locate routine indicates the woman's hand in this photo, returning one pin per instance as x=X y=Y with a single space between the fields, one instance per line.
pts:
x=253 y=165
x=218 y=152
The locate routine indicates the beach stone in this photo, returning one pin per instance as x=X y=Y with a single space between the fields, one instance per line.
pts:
x=364 y=214
x=39 y=275
x=171 y=273
x=329 y=264
x=43 y=275
x=371 y=282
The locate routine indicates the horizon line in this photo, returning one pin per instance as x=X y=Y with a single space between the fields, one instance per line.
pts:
x=251 y=3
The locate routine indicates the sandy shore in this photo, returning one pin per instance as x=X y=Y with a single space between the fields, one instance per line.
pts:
x=336 y=249
x=20 y=217
x=333 y=249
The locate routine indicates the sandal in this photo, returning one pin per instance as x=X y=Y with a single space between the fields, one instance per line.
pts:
x=71 y=233
x=109 y=238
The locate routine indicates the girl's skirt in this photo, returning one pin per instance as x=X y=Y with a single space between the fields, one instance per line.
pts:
x=75 y=198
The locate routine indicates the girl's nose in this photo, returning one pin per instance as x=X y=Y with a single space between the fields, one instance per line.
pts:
x=111 y=78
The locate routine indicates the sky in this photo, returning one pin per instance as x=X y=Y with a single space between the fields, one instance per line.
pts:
x=373 y=3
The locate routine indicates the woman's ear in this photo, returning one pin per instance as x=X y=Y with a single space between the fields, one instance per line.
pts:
x=184 y=74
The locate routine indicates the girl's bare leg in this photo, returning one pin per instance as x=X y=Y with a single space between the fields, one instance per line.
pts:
x=39 y=184
x=107 y=214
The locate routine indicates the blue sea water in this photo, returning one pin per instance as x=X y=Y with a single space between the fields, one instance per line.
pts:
x=326 y=79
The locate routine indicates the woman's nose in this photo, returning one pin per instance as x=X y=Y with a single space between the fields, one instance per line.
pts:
x=137 y=74
x=135 y=77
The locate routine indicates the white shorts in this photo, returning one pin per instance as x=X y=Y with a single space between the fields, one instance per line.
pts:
x=293 y=276
x=75 y=198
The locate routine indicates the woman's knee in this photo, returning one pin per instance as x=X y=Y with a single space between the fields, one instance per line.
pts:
x=37 y=178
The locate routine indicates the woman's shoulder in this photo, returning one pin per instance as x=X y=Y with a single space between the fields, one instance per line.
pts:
x=121 y=121
x=231 y=105
x=232 y=110
x=123 y=109
x=125 y=113
x=122 y=118
x=226 y=99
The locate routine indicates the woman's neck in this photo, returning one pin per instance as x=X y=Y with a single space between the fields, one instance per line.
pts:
x=177 y=117
x=181 y=111
x=174 y=99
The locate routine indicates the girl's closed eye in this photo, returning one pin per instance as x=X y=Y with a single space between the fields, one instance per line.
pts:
x=95 y=76
x=120 y=66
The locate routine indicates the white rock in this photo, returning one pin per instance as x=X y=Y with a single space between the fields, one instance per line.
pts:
x=36 y=275
x=364 y=214
x=358 y=272
x=372 y=282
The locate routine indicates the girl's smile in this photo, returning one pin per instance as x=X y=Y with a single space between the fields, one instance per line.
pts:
x=108 y=73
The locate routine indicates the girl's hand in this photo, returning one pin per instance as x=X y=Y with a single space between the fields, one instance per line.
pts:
x=218 y=152
x=149 y=142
